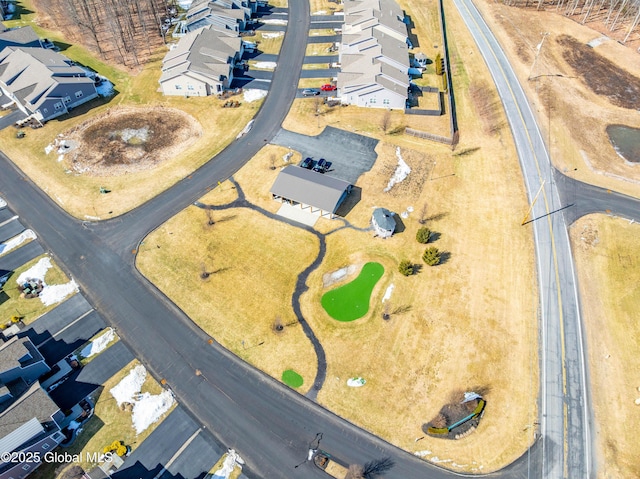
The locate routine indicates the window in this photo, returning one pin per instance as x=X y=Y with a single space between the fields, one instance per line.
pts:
x=79 y=94
x=178 y=87
x=58 y=106
x=67 y=99
x=385 y=101
x=46 y=446
x=190 y=87
x=372 y=101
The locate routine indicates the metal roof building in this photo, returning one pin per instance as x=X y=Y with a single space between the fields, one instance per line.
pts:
x=309 y=189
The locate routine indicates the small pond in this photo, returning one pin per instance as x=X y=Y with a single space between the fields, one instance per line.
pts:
x=626 y=141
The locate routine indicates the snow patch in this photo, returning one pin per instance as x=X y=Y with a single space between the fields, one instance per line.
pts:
x=356 y=382
x=245 y=130
x=3 y=203
x=253 y=95
x=274 y=21
x=148 y=408
x=402 y=171
x=129 y=387
x=272 y=34
x=597 y=41
x=266 y=64
x=38 y=271
x=99 y=345
x=319 y=12
x=422 y=453
x=387 y=293
x=58 y=292
x=185 y=4
x=232 y=460
x=17 y=241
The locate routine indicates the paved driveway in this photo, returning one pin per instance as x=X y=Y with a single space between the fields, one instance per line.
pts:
x=11 y=118
x=351 y=154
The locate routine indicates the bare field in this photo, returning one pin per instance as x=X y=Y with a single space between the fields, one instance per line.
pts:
x=607 y=256
x=243 y=251
x=576 y=90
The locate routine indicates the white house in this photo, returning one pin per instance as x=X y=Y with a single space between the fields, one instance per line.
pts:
x=202 y=63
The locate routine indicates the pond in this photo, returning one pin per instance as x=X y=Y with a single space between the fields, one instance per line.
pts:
x=626 y=141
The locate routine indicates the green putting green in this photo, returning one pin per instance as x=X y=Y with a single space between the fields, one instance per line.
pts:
x=351 y=301
x=292 y=378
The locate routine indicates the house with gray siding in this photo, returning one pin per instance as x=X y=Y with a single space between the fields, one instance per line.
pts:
x=310 y=190
x=374 y=57
x=29 y=419
x=42 y=82
x=224 y=14
x=202 y=63
x=18 y=37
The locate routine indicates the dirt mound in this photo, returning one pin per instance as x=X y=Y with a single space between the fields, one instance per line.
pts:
x=127 y=140
x=600 y=74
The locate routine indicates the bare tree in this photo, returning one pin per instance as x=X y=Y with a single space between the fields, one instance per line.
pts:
x=422 y=216
x=204 y=274
x=272 y=161
x=378 y=466
x=385 y=121
x=278 y=325
x=210 y=221
x=356 y=471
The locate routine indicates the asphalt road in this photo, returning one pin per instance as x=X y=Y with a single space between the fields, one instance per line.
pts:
x=565 y=414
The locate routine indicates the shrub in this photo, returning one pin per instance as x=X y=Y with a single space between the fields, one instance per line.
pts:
x=405 y=267
x=423 y=235
x=431 y=256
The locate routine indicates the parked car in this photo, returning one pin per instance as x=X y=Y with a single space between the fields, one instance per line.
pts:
x=310 y=92
x=307 y=163
x=327 y=165
x=328 y=87
x=319 y=167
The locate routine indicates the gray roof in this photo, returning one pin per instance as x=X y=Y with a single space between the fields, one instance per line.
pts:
x=205 y=53
x=384 y=219
x=32 y=74
x=23 y=36
x=18 y=352
x=34 y=403
x=309 y=187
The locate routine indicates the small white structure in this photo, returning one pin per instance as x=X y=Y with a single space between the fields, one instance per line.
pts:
x=383 y=222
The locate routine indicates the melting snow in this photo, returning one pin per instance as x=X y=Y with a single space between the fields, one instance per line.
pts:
x=266 y=64
x=387 y=293
x=99 y=344
x=17 y=241
x=148 y=408
x=3 y=203
x=50 y=294
x=253 y=95
x=232 y=460
x=185 y=4
x=274 y=21
x=402 y=171
x=37 y=271
x=105 y=88
x=272 y=34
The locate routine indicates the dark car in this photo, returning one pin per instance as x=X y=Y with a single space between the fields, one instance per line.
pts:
x=320 y=165
x=307 y=163
x=310 y=92
x=327 y=165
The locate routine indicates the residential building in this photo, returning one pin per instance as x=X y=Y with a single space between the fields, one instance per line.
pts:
x=383 y=222
x=310 y=190
x=374 y=55
x=202 y=63
x=224 y=14
x=42 y=82
x=29 y=419
x=18 y=37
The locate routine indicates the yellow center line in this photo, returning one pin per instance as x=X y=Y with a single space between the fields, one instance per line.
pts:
x=553 y=245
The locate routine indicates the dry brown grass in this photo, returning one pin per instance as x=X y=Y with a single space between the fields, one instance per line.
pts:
x=560 y=95
x=109 y=423
x=243 y=252
x=80 y=194
x=607 y=256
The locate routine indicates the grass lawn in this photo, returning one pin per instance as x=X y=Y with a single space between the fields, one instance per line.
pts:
x=109 y=423
x=292 y=378
x=607 y=254
x=266 y=44
x=351 y=301
x=246 y=252
x=319 y=49
x=29 y=309
x=79 y=194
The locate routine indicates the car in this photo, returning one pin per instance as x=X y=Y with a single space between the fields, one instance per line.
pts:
x=307 y=163
x=319 y=167
x=327 y=165
x=310 y=92
x=328 y=87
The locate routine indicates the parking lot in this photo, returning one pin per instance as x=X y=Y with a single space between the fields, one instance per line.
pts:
x=350 y=154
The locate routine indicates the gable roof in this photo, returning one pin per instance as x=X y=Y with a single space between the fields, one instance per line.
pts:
x=207 y=53
x=31 y=74
x=309 y=187
x=23 y=36
x=34 y=403
x=18 y=352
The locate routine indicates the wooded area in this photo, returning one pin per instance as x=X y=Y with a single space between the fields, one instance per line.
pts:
x=616 y=16
x=121 y=31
